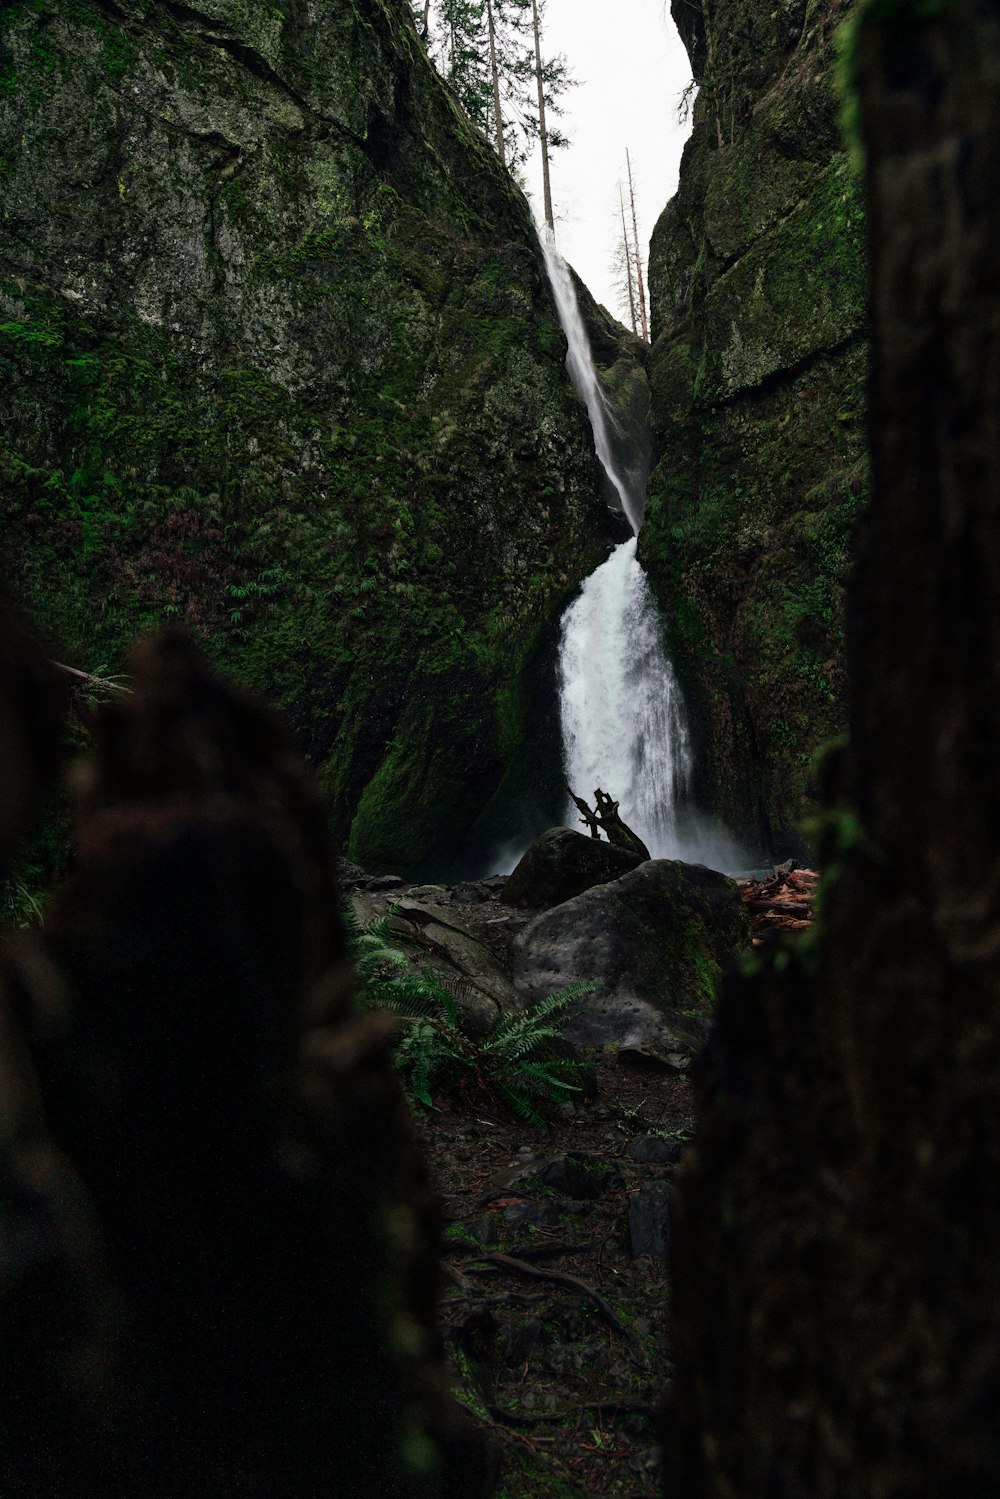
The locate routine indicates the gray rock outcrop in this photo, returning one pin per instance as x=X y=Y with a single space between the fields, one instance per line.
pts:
x=757 y=373
x=280 y=364
x=654 y=942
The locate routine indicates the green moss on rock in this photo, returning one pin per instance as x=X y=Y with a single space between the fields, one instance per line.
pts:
x=282 y=366
x=758 y=369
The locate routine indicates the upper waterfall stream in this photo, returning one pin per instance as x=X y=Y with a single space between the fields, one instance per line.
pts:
x=583 y=375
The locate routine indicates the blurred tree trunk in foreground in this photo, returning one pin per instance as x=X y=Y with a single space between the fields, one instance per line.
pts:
x=837 y=1244
x=218 y=1244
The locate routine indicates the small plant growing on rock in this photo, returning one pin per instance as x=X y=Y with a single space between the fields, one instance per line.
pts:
x=513 y=1062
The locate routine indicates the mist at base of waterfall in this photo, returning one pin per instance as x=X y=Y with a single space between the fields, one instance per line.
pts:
x=704 y=840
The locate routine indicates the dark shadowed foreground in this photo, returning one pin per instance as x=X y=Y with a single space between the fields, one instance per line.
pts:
x=838 y=1228
x=218 y=1248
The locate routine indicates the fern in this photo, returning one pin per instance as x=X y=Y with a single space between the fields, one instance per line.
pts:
x=513 y=1062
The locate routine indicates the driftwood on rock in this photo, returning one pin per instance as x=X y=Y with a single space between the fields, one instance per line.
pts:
x=605 y=818
x=781 y=904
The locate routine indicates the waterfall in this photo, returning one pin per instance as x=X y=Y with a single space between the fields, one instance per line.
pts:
x=622 y=715
x=583 y=375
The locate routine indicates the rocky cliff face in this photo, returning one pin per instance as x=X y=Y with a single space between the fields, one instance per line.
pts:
x=280 y=363
x=758 y=374
x=834 y=1282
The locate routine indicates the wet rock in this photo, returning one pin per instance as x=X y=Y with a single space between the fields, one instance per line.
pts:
x=655 y=1150
x=482 y=990
x=583 y=1177
x=533 y=1214
x=563 y=863
x=654 y=942
x=649 y=1220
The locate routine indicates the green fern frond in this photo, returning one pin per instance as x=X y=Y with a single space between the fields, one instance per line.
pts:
x=545 y=1074
x=517 y=1035
x=519 y=1102
x=513 y=1060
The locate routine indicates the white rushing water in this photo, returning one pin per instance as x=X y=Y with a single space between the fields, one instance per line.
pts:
x=624 y=726
x=621 y=711
x=580 y=364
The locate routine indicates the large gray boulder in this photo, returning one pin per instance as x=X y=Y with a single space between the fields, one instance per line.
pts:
x=563 y=863
x=654 y=942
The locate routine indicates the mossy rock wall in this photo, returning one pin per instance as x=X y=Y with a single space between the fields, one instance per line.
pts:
x=280 y=363
x=758 y=373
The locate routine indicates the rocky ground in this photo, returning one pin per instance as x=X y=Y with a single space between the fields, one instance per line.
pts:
x=554 y=1301
x=554 y=1296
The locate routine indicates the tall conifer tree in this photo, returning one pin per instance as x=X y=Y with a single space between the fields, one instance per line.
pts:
x=486 y=51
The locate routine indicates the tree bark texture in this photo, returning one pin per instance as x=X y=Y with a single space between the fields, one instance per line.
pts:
x=629 y=266
x=837 y=1224
x=638 y=253
x=217 y=1236
x=495 y=76
x=543 y=134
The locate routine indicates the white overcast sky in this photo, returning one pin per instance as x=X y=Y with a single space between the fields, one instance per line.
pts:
x=631 y=68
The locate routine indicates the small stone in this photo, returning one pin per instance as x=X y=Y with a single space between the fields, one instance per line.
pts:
x=532 y=1214
x=578 y=1175
x=649 y=1220
x=653 y=1058
x=655 y=1150
x=484 y=1230
x=467 y=895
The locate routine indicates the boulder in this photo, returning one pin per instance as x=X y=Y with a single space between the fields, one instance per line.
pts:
x=654 y=942
x=563 y=863
x=579 y=1175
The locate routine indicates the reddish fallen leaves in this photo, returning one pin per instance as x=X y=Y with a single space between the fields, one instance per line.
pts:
x=781 y=903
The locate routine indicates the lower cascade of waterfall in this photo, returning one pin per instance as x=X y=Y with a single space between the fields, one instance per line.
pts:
x=621 y=712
